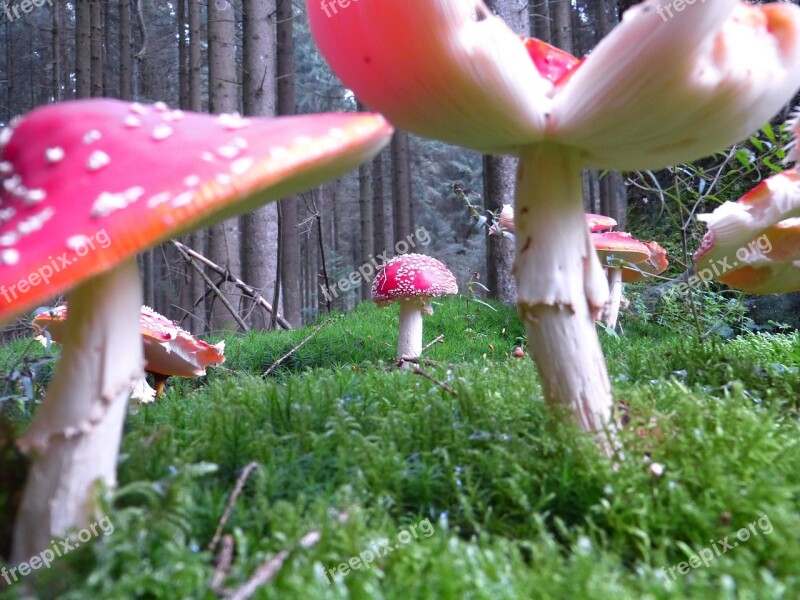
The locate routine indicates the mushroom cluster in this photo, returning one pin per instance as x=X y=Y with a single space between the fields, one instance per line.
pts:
x=411 y=280
x=138 y=174
x=651 y=94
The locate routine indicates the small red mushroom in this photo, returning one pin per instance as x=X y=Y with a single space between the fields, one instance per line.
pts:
x=616 y=249
x=412 y=280
x=88 y=184
x=169 y=350
x=519 y=352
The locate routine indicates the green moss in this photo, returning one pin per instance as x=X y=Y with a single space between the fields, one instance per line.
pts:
x=518 y=505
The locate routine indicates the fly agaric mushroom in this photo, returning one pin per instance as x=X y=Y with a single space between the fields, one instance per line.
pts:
x=412 y=280
x=465 y=78
x=617 y=249
x=655 y=264
x=169 y=350
x=754 y=244
x=115 y=178
x=598 y=223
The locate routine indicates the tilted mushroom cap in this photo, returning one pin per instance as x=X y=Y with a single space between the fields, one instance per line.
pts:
x=110 y=179
x=754 y=244
x=619 y=246
x=168 y=349
x=465 y=78
x=655 y=264
x=412 y=276
x=598 y=223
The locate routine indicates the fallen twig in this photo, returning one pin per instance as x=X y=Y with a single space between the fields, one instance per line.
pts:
x=224 y=562
x=278 y=362
x=444 y=386
x=266 y=572
x=435 y=341
x=231 y=501
x=185 y=254
x=250 y=291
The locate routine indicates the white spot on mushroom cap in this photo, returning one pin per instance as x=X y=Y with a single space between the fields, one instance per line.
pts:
x=98 y=160
x=160 y=107
x=76 y=242
x=54 y=154
x=6 y=168
x=174 y=115
x=35 y=196
x=232 y=121
x=5 y=136
x=6 y=214
x=138 y=108
x=35 y=222
x=9 y=238
x=183 y=199
x=9 y=256
x=132 y=121
x=92 y=136
x=229 y=152
x=161 y=132
x=191 y=181
x=242 y=165
x=159 y=199
x=208 y=157
x=224 y=179
x=108 y=202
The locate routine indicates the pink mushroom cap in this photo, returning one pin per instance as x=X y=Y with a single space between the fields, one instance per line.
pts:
x=111 y=179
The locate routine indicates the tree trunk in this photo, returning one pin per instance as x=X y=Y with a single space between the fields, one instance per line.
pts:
x=96 y=48
x=125 y=67
x=83 y=49
x=183 y=58
x=195 y=58
x=260 y=228
x=58 y=52
x=290 y=243
x=401 y=186
x=223 y=246
x=499 y=175
x=561 y=12
x=378 y=208
x=541 y=20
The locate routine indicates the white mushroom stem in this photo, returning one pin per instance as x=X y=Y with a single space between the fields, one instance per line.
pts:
x=561 y=287
x=611 y=310
x=409 y=340
x=75 y=435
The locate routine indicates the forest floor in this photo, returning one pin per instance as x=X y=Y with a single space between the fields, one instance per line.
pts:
x=472 y=492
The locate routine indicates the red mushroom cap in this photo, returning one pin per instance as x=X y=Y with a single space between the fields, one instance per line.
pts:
x=168 y=349
x=411 y=276
x=753 y=244
x=620 y=246
x=599 y=223
x=110 y=179
x=656 y=263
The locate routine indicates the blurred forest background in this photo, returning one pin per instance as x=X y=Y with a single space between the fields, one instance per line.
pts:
x=257 y=57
